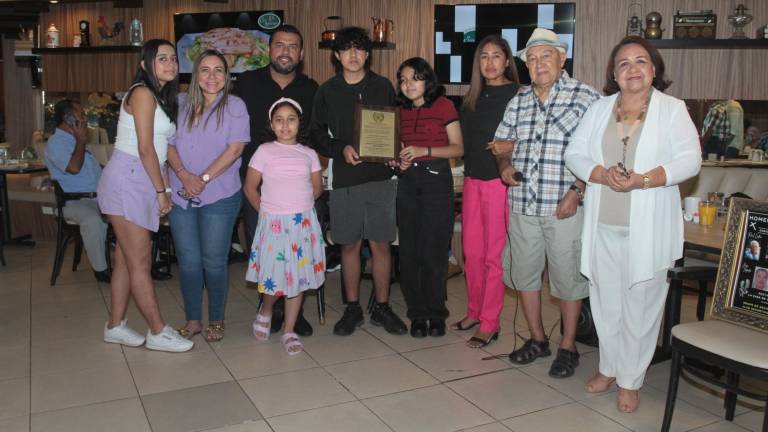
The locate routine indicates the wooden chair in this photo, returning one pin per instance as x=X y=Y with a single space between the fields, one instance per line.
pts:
x=740 y=351
x=677 y=276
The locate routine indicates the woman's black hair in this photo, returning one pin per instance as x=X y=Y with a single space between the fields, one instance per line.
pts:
x=660 y=81
x=165 y=96
x=422 y=71
x=351 y=37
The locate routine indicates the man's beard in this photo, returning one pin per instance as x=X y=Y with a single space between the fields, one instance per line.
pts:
x=287 y=70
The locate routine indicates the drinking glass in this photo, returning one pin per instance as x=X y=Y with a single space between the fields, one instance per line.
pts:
x=3 y=155
x=707 y=213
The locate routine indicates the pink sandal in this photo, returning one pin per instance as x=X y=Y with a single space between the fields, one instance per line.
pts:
x=292 y=344
x=262 y=327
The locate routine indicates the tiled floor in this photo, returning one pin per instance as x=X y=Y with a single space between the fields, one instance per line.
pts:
x=57 y=375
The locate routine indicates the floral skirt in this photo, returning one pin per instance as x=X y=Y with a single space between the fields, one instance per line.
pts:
x=288 y=254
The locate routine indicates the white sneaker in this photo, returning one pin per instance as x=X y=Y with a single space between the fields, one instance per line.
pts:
x=122 y=335
x=168 y=340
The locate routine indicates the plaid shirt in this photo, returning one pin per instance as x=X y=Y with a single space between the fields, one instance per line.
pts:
x=541 y=133
x=717 y=120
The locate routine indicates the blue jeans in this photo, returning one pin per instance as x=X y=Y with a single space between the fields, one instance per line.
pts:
x=203 y=235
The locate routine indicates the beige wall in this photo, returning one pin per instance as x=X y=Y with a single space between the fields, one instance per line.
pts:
x=711 y=74
x=697 y=74
x=23 y=104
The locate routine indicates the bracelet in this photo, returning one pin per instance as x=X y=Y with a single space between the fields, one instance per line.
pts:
x=578 y=191
x=161 y=191
x=181 y=168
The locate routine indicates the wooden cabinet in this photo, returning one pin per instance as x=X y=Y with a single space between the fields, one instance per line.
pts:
x=103 y=68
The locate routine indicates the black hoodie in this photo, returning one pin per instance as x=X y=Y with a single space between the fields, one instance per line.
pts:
x=333 y=124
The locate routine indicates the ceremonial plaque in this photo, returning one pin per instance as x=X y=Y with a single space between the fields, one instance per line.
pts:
x=741 y=290
x=377 y=133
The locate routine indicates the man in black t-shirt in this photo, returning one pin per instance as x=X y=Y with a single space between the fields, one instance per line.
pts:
x=260 y=89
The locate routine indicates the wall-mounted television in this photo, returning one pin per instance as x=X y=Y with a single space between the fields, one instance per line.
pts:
x=458 y=29
x=243 y=38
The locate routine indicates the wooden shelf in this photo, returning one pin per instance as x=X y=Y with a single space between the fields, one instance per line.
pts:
x=376 y=45
x=88 y=50
x=709 y=43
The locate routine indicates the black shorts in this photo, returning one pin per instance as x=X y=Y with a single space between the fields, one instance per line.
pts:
x=365 y=211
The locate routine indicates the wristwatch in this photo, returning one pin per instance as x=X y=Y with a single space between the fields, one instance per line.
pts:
x=205 y=178
x=646 y=182
x=578 y=191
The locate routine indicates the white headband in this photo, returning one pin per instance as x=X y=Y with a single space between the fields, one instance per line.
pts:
x=284 y=99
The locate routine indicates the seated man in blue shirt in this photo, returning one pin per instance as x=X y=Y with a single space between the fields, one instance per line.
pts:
x=77 y=171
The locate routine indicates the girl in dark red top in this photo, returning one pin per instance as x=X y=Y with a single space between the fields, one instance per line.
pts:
x=431 y=134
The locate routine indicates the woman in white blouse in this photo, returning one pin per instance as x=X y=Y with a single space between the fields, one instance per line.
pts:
x=632 y=148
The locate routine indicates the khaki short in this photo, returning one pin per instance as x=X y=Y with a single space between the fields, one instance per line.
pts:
x=531 y=239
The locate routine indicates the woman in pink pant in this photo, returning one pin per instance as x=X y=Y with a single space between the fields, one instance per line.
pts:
x=484 y=206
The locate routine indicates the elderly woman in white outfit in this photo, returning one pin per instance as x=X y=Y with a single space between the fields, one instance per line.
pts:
x=632 y=148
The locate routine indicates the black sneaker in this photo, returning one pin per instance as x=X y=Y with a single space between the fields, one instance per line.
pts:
x=383 y=316
x=103 y=276
x=278 y=316
x=353 y=317
x=419 y=328
x=303 y=327
x=436 y=328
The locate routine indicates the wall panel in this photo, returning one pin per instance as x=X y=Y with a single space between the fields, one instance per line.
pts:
x=711 y=74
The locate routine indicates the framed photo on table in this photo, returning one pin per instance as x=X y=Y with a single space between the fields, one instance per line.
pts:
x=741 y=289
x=377 y=133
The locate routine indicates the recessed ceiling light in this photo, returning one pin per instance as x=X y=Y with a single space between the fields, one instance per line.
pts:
x=54 y=1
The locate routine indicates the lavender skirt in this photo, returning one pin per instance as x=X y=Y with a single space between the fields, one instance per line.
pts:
x=126 y=190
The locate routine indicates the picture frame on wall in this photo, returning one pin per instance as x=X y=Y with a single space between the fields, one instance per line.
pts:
x=741 y=288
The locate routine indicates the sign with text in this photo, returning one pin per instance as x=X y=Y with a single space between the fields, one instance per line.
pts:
x=741 y=291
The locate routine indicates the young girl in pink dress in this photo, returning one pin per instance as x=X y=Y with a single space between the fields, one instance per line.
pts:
x=288 y=255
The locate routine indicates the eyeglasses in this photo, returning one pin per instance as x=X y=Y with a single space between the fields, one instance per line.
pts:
x=191 y=198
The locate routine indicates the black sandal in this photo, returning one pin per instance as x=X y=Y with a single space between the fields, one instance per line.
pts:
x=460 y=327
x=483 y=343
x=565 y=363
x=531 y=350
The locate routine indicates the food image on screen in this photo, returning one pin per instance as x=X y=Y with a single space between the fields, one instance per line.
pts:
x=244 y=49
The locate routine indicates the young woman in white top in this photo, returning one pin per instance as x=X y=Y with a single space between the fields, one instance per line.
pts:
x=133 y=192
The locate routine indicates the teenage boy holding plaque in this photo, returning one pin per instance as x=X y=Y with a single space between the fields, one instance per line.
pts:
x=363 y=197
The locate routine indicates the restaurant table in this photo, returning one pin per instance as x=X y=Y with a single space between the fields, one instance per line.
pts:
x=5 y=232
x=707 y=239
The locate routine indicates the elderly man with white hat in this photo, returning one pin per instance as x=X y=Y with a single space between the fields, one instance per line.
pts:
x=545 y=219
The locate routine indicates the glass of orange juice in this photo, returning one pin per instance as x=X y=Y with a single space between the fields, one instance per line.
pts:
x=707 y=213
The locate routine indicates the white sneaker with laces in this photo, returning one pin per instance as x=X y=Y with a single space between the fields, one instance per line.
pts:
x=122 y=335
x=168 y=340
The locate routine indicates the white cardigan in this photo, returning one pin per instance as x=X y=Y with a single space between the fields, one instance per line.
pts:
x=668 y=138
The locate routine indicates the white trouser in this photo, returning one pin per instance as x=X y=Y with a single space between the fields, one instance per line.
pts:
x=93 y=229
x=627 y=318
